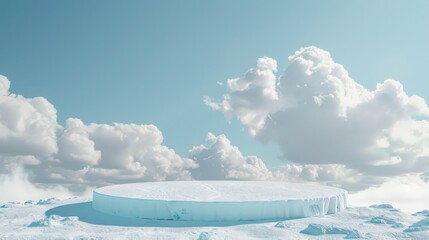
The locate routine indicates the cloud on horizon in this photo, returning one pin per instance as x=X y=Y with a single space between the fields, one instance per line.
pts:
x=39 y=154
x=35 y=149
x=319 y=116
x=330 y=129
x=221 y=160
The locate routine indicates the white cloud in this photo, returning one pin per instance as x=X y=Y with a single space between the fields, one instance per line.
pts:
x=15 y=186
x=218 y=159
x=337 y=175
x=77 y=155
x=317 y=114
x=4 y=85
x=221 y=160
x=256 y=91
x=100 y=154
x=76 y=150
x=138 y=150
x=331 y=130
x=27 y=125
x=407 y=193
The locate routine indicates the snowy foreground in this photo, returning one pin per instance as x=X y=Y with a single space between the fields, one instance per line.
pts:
x=75 y=219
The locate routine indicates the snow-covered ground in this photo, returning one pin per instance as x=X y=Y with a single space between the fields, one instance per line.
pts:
x=75 y=219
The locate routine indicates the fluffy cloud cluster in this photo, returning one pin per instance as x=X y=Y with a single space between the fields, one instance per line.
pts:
x=221 y=160
x=409 y=193
x=317 y=114
x=15 y=186
x=45 y=158
x=330 y=129
x=27 y=126
x=79 y=154
x=256 y=91
x=119 y=153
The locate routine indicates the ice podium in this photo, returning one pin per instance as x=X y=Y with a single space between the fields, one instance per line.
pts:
x=219 y=200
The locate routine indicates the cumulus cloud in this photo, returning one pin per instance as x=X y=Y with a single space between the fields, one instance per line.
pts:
x=39 y=156
x=76 y=150
x=27 y=125
x=256 y=91
x=330 y=129
x=219 y=159
x=138 y=150
x=78 y=155
x=318 y=114
x=4 y=85
x=15 y=186
x=404 y=192
x=100 y=154
x=337 y=175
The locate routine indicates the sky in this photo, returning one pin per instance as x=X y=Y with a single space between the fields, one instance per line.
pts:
x=160 y=69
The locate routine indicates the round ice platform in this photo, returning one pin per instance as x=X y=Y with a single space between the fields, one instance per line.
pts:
x=218 y=200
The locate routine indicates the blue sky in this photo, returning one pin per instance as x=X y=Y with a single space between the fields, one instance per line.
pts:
x=151 y=62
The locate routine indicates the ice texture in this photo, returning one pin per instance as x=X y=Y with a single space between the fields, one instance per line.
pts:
x=219 y=200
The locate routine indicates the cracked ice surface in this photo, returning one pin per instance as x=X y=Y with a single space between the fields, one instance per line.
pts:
x=219 y=200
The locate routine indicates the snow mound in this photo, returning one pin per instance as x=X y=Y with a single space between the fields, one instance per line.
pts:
x=42 y=201
x=384 y=206
x=422 y=225
x=88 y=238
x=207 y=236
x=53 y=220
x=424 y=213
x=75 y=219
x=218 y=200
x=10 y=205
x=30 y=202
x=319 y=229
x=387 y=221
x=281 y=225
x=47 y=201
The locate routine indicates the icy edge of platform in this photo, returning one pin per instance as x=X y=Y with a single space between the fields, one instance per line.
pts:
x=218 y=211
